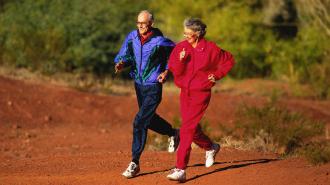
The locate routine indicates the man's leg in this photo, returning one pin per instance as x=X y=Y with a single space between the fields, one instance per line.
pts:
x=161 y=126
x=133 y=168
x=157 y=124
x=139 y=95
x=150 y=101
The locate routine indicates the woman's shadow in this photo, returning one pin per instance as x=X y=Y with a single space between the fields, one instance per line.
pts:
x=242 y=163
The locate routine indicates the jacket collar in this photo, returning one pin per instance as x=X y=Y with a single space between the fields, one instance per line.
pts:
x=155 y=33
x=201 y=45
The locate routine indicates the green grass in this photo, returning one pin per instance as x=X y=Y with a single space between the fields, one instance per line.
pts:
x=275 y=129
x=317 y=152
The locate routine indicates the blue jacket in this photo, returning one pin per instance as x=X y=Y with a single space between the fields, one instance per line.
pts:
x=147 y=61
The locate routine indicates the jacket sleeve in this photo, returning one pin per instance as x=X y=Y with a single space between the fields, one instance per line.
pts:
x=126 y=53
x=225 y=63
x=167 y=47
x=176 y=66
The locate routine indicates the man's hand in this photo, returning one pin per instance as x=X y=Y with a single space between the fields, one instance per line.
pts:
x=162 y=77
x=211 y=77
x=182 y=54
x=119 y=66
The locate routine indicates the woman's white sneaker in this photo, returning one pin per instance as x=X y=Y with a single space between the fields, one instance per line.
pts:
x=132 y=170
x=210 y=155
x=177 y=175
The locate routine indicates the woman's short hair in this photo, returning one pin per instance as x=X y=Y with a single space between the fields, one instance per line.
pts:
x=196 y=25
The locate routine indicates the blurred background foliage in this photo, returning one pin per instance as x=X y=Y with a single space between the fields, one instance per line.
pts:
x=276 y=39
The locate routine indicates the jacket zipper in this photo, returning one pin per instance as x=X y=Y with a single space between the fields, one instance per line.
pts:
x=193 y=70
x=140 y=74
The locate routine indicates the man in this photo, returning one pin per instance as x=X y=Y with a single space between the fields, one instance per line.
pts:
x=146 y=51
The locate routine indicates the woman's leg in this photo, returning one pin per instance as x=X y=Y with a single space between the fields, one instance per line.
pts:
x=202 y=140
x=192 y=106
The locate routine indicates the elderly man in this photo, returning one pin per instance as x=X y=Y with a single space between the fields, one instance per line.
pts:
x=146 y=50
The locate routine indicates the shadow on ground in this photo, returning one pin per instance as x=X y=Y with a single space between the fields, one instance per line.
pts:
x=244 y=164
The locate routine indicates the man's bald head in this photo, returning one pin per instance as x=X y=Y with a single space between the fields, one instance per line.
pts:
x=147 y=15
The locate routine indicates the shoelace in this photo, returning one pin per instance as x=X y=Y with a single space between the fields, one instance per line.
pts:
x=171 y=142
x=131 y=167
x=175 y=170
x=208 y=153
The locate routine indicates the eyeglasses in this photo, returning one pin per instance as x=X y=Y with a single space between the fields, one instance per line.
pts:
x=188 y=34
x=142 y=23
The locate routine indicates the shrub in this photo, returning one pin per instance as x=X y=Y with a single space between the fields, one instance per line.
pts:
x=317 y=152
x=276 y=129
x=70 y=36
x=282 y=130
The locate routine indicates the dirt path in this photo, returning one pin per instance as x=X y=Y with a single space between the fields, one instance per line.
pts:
x=55 y=135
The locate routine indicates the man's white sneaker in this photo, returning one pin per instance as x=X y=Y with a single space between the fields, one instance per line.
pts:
x=210 y=155
x=177 y=175
x=132 y=170
x=173 y=142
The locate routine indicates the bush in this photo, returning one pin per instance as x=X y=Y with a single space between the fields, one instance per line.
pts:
x=317 y=152
x=282 y=131
x=320 y=78
x=70 y=36
x=276 y=129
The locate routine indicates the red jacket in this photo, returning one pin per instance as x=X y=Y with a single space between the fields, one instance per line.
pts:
x=192 y=72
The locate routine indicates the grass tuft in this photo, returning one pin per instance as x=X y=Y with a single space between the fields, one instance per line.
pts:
x=274 y=129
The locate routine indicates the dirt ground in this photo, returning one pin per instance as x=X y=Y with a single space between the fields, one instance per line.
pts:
x=50 y=134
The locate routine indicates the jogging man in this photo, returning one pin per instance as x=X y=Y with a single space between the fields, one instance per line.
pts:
x=146 y=50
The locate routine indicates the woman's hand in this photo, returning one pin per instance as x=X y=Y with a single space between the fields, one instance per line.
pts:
x=211 y=77
x=182 y=54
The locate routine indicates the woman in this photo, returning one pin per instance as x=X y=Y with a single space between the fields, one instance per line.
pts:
x=196 y=65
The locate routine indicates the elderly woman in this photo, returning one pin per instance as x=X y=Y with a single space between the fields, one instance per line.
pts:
x=196 y=64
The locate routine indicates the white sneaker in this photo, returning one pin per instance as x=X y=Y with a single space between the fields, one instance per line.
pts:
x=177 y=175
x=210 y=155
x=173 y=142
x=131 y=170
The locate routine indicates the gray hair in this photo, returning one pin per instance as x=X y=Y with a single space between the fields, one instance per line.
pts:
x=151 y=16
x=195 y=25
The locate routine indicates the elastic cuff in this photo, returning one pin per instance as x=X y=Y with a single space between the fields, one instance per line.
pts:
x=136 y=161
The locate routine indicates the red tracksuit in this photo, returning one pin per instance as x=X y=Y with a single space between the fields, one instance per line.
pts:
x=191 y=75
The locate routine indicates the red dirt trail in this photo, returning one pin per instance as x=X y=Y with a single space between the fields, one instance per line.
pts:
x=50 y=134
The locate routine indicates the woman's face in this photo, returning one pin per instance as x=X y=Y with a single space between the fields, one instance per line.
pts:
x=190 y=35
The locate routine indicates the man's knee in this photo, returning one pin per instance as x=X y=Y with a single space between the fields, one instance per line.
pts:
x=140 y=124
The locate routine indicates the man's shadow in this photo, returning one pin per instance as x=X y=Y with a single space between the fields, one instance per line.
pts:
x=234 y=166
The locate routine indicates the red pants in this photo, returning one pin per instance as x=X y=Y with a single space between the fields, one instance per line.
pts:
x=192 y=106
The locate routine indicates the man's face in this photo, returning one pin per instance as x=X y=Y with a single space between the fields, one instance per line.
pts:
x=143 y=23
